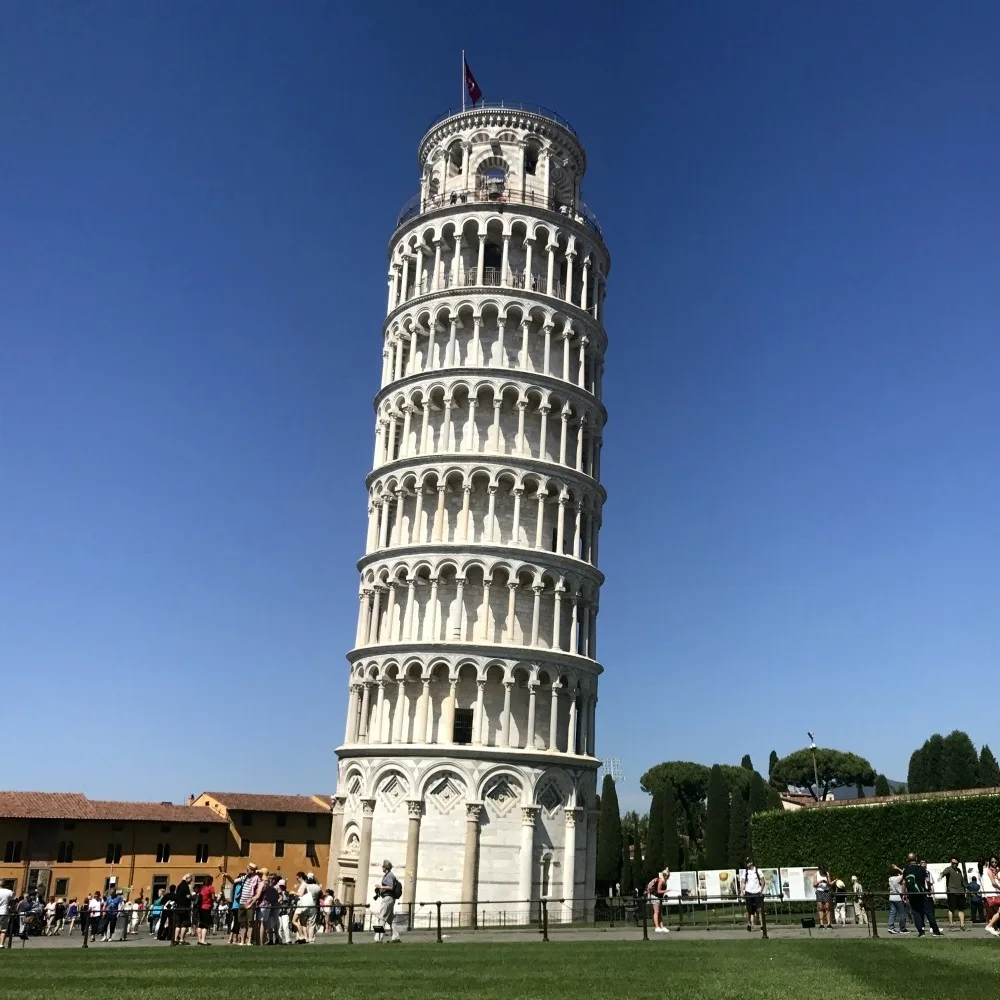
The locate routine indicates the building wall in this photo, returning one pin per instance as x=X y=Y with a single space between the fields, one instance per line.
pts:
x=89 y=869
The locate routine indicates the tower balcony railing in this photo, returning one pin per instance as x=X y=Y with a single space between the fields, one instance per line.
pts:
x=468 y=277
x=531 y=109
x=500 y=194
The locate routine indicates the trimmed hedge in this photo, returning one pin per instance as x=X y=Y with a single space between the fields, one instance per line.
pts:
x=866 y=840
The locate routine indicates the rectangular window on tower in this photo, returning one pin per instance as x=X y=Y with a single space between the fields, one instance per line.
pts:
x=463 y=725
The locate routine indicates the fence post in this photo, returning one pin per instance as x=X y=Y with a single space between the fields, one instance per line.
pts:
x=868 y=902
x=84 y=926
x=438 y=905
x=545 y=919
x=645 y=925
x=612 y=922
x=763 y=920
x=350 y=924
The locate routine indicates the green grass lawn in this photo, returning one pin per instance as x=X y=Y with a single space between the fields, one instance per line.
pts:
x=696 y=970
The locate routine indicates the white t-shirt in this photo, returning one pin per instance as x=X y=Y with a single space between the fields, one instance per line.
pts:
x=309 y=893
x=95 y=907
x=50 y=909
x=754 y=883
x=6 y=895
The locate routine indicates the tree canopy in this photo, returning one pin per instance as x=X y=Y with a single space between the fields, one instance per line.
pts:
x=739 y=831
x=834 y=769
x=944 y=763
x=746 y=762
x=882 y=785
x=758 y=794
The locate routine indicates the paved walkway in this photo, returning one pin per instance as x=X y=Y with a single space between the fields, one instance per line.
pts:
x=620 y=932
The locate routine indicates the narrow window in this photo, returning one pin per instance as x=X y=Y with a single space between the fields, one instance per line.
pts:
x=280 y=819
x=62 y=886
x=310 y=848
x=311 y=821
x=247 y=819
x=463 y=725
x=279 y=848
x=245 y=849
x=113 y=856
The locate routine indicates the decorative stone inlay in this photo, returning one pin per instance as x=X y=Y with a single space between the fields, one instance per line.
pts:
x=501 y=797
x=550 y=798
x=446 y=792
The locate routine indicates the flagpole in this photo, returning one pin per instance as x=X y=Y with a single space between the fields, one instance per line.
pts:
x=463 y=79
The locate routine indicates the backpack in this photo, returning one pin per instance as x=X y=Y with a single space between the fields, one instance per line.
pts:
x=397 y=888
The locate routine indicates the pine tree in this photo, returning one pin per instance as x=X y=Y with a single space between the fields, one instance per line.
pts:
x=739 y=831
x=959 y=762
x=989 y=770
x=654 y=843
x=859 y=790
x=882 y=785
x=609 y=838
x=717 y=820
x=746 y=763
x=758 y=794
x=671 y=843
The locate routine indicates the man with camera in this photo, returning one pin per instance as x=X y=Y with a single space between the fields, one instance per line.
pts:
x=386 y=894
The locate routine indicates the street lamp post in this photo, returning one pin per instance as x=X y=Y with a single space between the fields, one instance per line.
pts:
x=812 y=746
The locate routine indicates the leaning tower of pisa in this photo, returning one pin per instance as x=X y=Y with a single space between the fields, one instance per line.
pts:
x=468 y=757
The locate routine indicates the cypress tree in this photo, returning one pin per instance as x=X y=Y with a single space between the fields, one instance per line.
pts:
x=771 y=761
x=654 y=845
x=609 y=838
x=739 y=831
x=882 y=785
x=773 y=798
x=746 y=763
x=758 y=794
x=717 y=820
x=934 y=754
x=989 y=770
x=627 y=879
x=916 y=777
x=671 y=840
x=959 y=762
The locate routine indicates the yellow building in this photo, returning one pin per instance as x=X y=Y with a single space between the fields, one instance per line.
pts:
x=283 y=833
x=64 y=844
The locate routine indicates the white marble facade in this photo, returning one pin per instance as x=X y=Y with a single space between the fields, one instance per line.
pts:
x=469 y=748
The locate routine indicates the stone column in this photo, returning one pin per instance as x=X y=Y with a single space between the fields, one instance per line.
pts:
x=561 y=524
x=415 y=811
x=591 y=736
x=375 y=629
x=554 y=718
x=450 y=360
x=463 y=519
x=563 y=436
x=590 y=887
x=505 y=259
x=505 y=718
x=519 y=440
x=557 y=620
x=448 y=721
x=547 y=329
x=471 y=865
x=511 y=610
x=529 y=736
x=536 y=614
x=569 y=861
x=484 y=628
x=456 y=627
x=362 y=888
x=540 y=522
x=491 y=510
x=336 y=836
x=501 y=350
x=438 y=530
x=477 y=716
x=365 y=705
x=526 y=859
x=431 y=614
x=396 y=735
x=495 y=430
x=479 y=260
x=515 y=530
x=351 y=732
x=423 y=713
x=543 y=432
x=375 y=729
x=445 y=442
x=435 y=277
x=570 y=256
x=571 y=728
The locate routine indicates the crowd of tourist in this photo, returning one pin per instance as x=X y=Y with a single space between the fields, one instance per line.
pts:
x=254 y=908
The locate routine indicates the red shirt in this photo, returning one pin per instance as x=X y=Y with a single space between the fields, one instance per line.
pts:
x=205 y=897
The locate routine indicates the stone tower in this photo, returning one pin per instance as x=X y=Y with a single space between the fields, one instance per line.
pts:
x=468 y=757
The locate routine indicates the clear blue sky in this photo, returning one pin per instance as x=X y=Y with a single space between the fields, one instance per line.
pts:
x=801 y=205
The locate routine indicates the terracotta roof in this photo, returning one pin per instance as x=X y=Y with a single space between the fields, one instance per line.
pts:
x=74 y=805
x=272 y=803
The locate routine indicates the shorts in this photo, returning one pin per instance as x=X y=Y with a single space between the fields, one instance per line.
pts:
x=992 y=902
x=205 y=921
x=305 y=915
x=245 y=917
x=182 y=918
x=822 y=895
x=754 y=901
x=4 y=922
x=956 y=901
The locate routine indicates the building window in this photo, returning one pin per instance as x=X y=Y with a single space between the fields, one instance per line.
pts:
x=8 y=883
x=310 y=820
x=62 y=886
x=247 y=819
x=64 y=855
x=463 y=725
x=279 y=848
x=12 y=852
x=118 y=825
x=201 y=854
x=280 y=819
x=310 y=848
x=245 y=849
x=114 y=854
x=160 y=882
x=162 y=853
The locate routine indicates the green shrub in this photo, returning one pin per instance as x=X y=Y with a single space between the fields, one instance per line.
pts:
x=866 y=840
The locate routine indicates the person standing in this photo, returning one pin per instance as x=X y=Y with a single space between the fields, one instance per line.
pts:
x=915 y=882
x=307 y=909
x=388 y=891
x=6 y=913
x=72 y=912
x=897 y=909
x=954 y=886
x=840 y=902
x=857 y=895
x=183 y=899
x=656 y=891
x=248 y=894
x=991 y=895
x=974 y=889
x=753 y=893
x=821 y=882
x=206 y=903
x=234 y=909
x=96 y=907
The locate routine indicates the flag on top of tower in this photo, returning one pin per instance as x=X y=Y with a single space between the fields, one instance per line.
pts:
x=475 y=93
